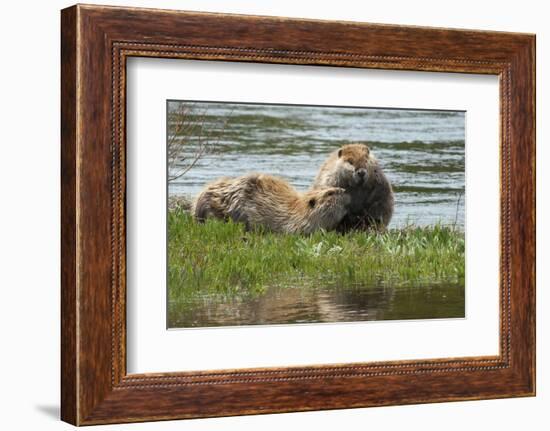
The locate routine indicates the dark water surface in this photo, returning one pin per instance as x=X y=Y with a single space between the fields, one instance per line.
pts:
x=304 y=304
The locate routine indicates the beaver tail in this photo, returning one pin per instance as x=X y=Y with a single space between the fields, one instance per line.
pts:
x=201 y=208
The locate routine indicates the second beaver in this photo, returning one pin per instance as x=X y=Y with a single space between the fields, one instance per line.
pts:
x=354 y=168
x=260 y=200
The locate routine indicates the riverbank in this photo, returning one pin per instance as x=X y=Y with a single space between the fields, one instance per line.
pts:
x=220 y=259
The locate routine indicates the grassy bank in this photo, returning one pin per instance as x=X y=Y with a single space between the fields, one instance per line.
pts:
x=222 y=259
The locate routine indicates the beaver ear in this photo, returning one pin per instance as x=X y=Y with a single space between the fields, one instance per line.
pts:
x=340 y=153
x=311 y=203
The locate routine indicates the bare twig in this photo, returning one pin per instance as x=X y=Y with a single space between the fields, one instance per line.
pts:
x=457 y=208
x=188 y=129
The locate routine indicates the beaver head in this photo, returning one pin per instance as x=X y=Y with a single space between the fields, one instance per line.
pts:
x=327 y=207
x=355 y=162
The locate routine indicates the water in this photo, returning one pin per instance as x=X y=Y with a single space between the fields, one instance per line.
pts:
x=328 y=303
x=421 y=152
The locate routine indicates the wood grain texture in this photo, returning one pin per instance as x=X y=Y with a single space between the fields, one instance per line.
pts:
x=96 y=41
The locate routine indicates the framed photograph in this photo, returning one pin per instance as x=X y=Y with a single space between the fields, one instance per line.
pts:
x=334 y=250
x=264 y=214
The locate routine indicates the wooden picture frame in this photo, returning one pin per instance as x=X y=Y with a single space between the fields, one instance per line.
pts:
x=95 y=43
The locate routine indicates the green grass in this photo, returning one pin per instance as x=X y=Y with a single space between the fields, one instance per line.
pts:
x=221 y=259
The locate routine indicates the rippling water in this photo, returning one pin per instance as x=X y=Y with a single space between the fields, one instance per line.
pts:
x=422 y=152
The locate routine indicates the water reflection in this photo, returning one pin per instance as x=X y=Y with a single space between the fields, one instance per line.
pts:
x=302 y=304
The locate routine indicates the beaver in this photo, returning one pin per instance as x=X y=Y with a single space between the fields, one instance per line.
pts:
x=269 y=202
x=355 y=168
